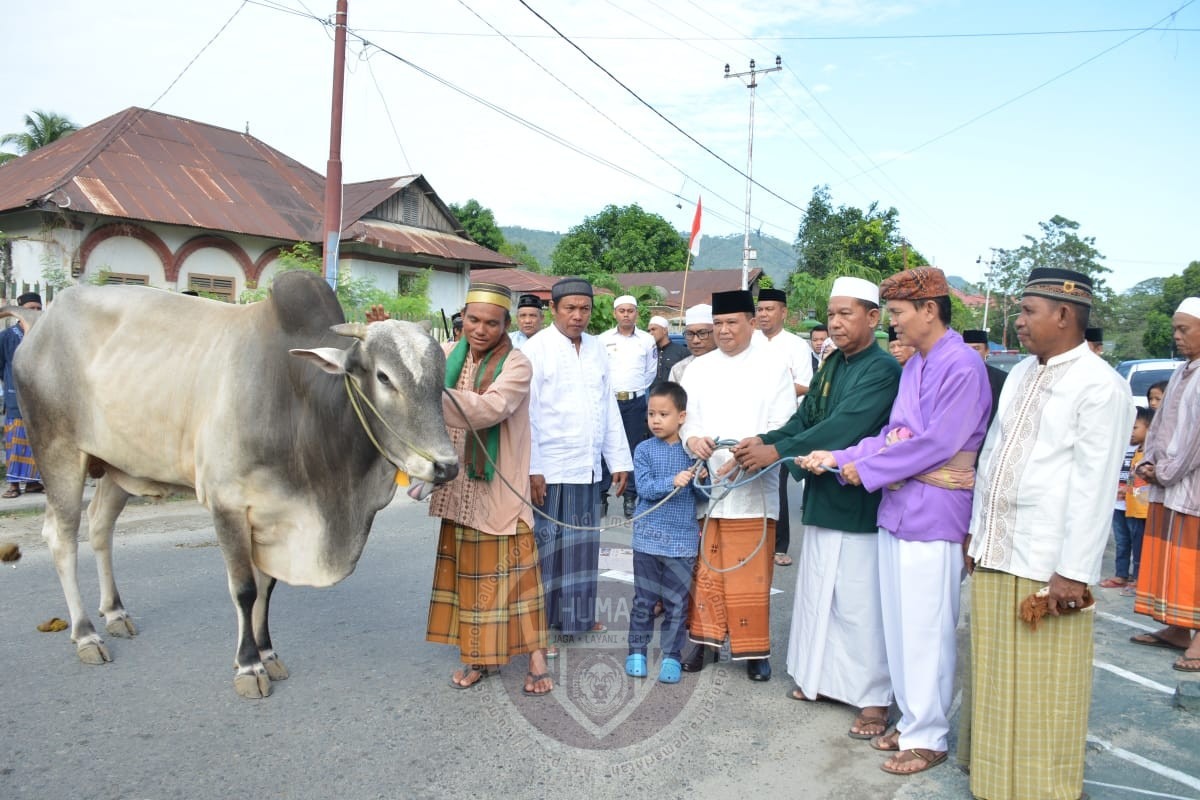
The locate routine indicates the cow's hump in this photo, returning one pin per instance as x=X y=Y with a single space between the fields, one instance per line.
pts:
x=304 y=303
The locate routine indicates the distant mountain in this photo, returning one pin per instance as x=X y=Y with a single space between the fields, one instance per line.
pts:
x=775 y=256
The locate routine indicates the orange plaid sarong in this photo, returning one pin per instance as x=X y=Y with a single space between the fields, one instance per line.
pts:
x=738 y=602
x=1168 y=586
x=487 y=594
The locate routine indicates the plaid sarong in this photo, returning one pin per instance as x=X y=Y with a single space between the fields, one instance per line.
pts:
x=1168 y=584
x=1030 y=695
x=21 y=467
x=487 y=594
x=738 y=602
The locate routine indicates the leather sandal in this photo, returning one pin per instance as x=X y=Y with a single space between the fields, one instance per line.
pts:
x=925 y=759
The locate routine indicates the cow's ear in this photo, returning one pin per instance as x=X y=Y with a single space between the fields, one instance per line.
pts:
x=329 y=359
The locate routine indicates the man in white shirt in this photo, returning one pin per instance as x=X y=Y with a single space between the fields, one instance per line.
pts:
x=733 y=393
x=529 y=319
x=632 y=363
x=796 y=353
x=697 y=335
x=573 y=421
x=1040 y=520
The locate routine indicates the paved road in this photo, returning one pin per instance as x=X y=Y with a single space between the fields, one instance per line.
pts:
x=368 y=712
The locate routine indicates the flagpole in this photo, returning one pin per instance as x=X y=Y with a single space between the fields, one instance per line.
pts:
x=683 y=296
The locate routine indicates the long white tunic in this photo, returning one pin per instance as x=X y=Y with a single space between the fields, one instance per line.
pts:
x=1049 y=466
x=733 y=397
x=796 y=353
x=573 y=416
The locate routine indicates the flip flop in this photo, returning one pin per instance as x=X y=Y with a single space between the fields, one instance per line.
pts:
x=1184 y=664
x=484 y=673
x=931 y=758
x=783 y=560
x=888 y=743
x=864 y=720
x=1154 y=640
x=535 y=680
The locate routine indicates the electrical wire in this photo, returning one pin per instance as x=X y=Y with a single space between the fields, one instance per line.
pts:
x=812 y=37
x=208 y=44
x=1028 y=92
x=658 y=113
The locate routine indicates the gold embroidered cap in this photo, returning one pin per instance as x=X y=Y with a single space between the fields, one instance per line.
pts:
x=1060 y=284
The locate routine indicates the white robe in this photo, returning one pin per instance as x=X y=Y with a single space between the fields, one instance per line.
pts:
x=836 y=646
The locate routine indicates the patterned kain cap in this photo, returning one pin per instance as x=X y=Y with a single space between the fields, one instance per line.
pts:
x=920 y=283
x=1060 y=284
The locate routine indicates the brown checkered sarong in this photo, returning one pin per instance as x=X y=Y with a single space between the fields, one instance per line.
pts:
x=1030 y=694
x=487 y=594
x=738 y=602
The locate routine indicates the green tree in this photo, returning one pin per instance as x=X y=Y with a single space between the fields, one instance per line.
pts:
x=479 y=223
x=1157 y=338
x=41 y=128
x=355 y=295
x=1177 y=287
x=620 y=240
x=519 y=252
x=831 y=242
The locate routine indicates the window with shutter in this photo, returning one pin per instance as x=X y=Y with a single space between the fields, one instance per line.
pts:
x=217 y=287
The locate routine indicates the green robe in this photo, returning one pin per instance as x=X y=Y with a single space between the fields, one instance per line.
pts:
x=860 y=396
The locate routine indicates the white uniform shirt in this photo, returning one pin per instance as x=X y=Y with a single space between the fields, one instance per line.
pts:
x=732 y=397
x=573 y=416
x=632 y=360
x=518 y=339
x=796 y=353
x=1048 y=468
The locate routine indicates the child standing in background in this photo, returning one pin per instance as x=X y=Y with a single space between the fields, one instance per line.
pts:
x=1129 y=515
x=665 y=540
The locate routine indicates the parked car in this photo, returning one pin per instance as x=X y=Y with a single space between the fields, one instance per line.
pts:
x=1144 y=373
x=1004 y=361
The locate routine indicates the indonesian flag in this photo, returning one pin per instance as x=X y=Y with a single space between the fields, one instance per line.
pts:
x=694 y=241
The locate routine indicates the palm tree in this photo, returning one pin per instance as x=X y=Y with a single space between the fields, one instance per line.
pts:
x=41 y=128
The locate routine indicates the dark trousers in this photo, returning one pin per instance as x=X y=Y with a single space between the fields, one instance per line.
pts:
x=660 y=578
x=783 y=528
x=1127 y=531
x=633 y=418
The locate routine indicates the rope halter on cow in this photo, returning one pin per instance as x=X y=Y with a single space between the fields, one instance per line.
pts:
x=355 y=393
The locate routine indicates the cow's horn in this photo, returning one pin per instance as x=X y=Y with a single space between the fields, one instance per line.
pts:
x=354 y=329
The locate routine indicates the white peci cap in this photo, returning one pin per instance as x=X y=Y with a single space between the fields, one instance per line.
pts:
x=857 y=288
x=625 y=300
x=1189 y=306
x=698 y=315
x=659 y=321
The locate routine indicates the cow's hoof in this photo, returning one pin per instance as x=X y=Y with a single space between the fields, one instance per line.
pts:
x=276 y=671
x=122 y=627
x=253 y=686
x=93 y=652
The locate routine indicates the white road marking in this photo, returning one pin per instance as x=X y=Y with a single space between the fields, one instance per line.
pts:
x=1139 y=791
x=1122 y=621
x=1132 y=676
x=1190 y=781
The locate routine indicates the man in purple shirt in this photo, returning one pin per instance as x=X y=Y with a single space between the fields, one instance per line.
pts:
x=924 y=460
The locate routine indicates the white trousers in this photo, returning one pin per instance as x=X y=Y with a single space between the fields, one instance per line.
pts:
x=920 y=584
x=836 y=647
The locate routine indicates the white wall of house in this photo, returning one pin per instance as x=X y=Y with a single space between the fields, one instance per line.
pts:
x=446 y=289
x=125 y=256
x=211 y=262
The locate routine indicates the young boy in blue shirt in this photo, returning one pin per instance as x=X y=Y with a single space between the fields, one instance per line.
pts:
x=665 y=540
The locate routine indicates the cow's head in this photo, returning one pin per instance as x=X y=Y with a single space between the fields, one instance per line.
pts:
x=397 y=373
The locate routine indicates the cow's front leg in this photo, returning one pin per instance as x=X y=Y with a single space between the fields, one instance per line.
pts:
x=107 y=504
x=276 y=671
x=233 y=532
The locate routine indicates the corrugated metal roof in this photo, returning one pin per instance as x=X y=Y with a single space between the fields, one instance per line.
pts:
x=519 y=280
x=152 y=167
x=701 y=283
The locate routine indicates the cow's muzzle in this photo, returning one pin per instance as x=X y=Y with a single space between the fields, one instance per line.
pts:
x=444 y=471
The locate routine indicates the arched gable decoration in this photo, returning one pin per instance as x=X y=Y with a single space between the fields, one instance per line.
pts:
x=206 y=240
x=119 y=229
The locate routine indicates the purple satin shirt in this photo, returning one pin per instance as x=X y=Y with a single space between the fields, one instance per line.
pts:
x=944 y=400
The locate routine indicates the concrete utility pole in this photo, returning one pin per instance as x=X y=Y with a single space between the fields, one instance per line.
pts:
x=333 y=169
x=749 y=255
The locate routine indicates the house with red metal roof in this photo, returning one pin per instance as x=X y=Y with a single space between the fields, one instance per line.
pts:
x=148 y=198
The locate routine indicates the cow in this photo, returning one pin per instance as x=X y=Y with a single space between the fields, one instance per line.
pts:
x=289 y=424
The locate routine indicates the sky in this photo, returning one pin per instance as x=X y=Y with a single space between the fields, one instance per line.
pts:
x=975 y=139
